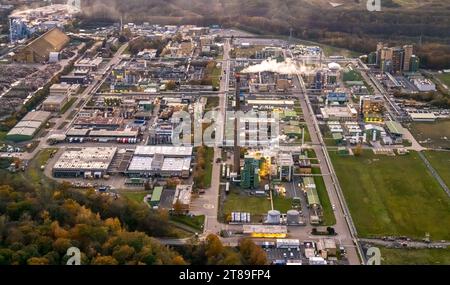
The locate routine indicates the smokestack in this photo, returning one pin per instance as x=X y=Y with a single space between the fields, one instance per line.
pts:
x=237 y=149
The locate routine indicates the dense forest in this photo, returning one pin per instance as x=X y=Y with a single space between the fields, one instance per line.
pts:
x=349 y=26
x=40 y=221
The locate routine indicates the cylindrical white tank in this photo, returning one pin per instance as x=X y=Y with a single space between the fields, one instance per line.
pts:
x=273 y=217
x=293 y=217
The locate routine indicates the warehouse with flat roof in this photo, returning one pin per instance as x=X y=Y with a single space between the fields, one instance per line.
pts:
x=163 y=161
x=88 y=162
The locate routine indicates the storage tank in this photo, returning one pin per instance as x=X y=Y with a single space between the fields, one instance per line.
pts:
x=293 y=217
x=273 y=217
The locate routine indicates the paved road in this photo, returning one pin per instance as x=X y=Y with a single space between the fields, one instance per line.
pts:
x=208 y=203
x=344 y=226
x=408 y=244
x=434 y=173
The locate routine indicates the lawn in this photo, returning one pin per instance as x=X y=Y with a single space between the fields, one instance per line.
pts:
x=208 y=167
x=135 y=196
x=352 y=75
x=211 y=103
x=215 y=75
x=195 y=222
x=440 y=160
x=3 y=136
x=282 y=204
x=427 y=256
x=432 y=135
x=328 y=214
x=34 y=173
x=239 y=201
x=445 y=78
x=393 y=196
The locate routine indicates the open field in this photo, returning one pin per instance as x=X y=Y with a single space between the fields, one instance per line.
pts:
x=239 y=201
x=428 y=256
x=282 y=204
x=3 y=136
x=432 y=135
x=328 y=214
x=445 y=78
x=394 y=196
x=440 y=160
x=135 y=196
x=195 y=222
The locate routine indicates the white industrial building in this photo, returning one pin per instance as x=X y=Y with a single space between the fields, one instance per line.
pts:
x=165 y=161
x=89 y=162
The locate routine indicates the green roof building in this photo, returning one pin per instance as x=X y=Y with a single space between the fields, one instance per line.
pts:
x=156 y=196
x=250 y=173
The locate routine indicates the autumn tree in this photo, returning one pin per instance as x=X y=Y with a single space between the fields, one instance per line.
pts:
x=104 y=260
x=358 y=151
x=252 y=254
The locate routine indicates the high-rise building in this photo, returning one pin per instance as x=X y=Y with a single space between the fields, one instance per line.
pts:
x=415 y=64
x=408 y=53
x=372 y=58
x=380 y=46
x=398 y=56
x=394 y=59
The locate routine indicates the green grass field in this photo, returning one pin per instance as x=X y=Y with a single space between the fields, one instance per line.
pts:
x=3 y=136
x=195 y=222
x=328 y=214
x=208 y=168
x=445 y=78
x=135 y=196
x=237 y=201
x=393 y=196
x=432 y=135
x=428 y=256
x=34 y=174
x=440 y=160
x=282 y=204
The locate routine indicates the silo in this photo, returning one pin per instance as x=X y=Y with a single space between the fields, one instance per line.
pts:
x=293 y=217
x=273 y=217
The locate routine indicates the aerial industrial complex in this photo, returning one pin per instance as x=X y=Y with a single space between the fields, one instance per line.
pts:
x=239 y=129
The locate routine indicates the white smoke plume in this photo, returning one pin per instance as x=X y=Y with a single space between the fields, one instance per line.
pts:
x=271 y=65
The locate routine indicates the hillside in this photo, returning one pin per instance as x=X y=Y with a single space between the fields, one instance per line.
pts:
x=349 y=25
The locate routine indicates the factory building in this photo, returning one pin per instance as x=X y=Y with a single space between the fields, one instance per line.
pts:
x=89 y=162
x=27 y=128
x=250 y=173
x=182 y=197
x=285 y=167
x=337 y=98
x=99 y=122
x=265 y=231
x=396 y=131
x=164 y=161
x=372 y=108
x=39 y=49
x=338 y=113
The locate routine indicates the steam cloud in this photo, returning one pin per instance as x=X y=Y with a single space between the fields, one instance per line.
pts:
x=271 y=65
